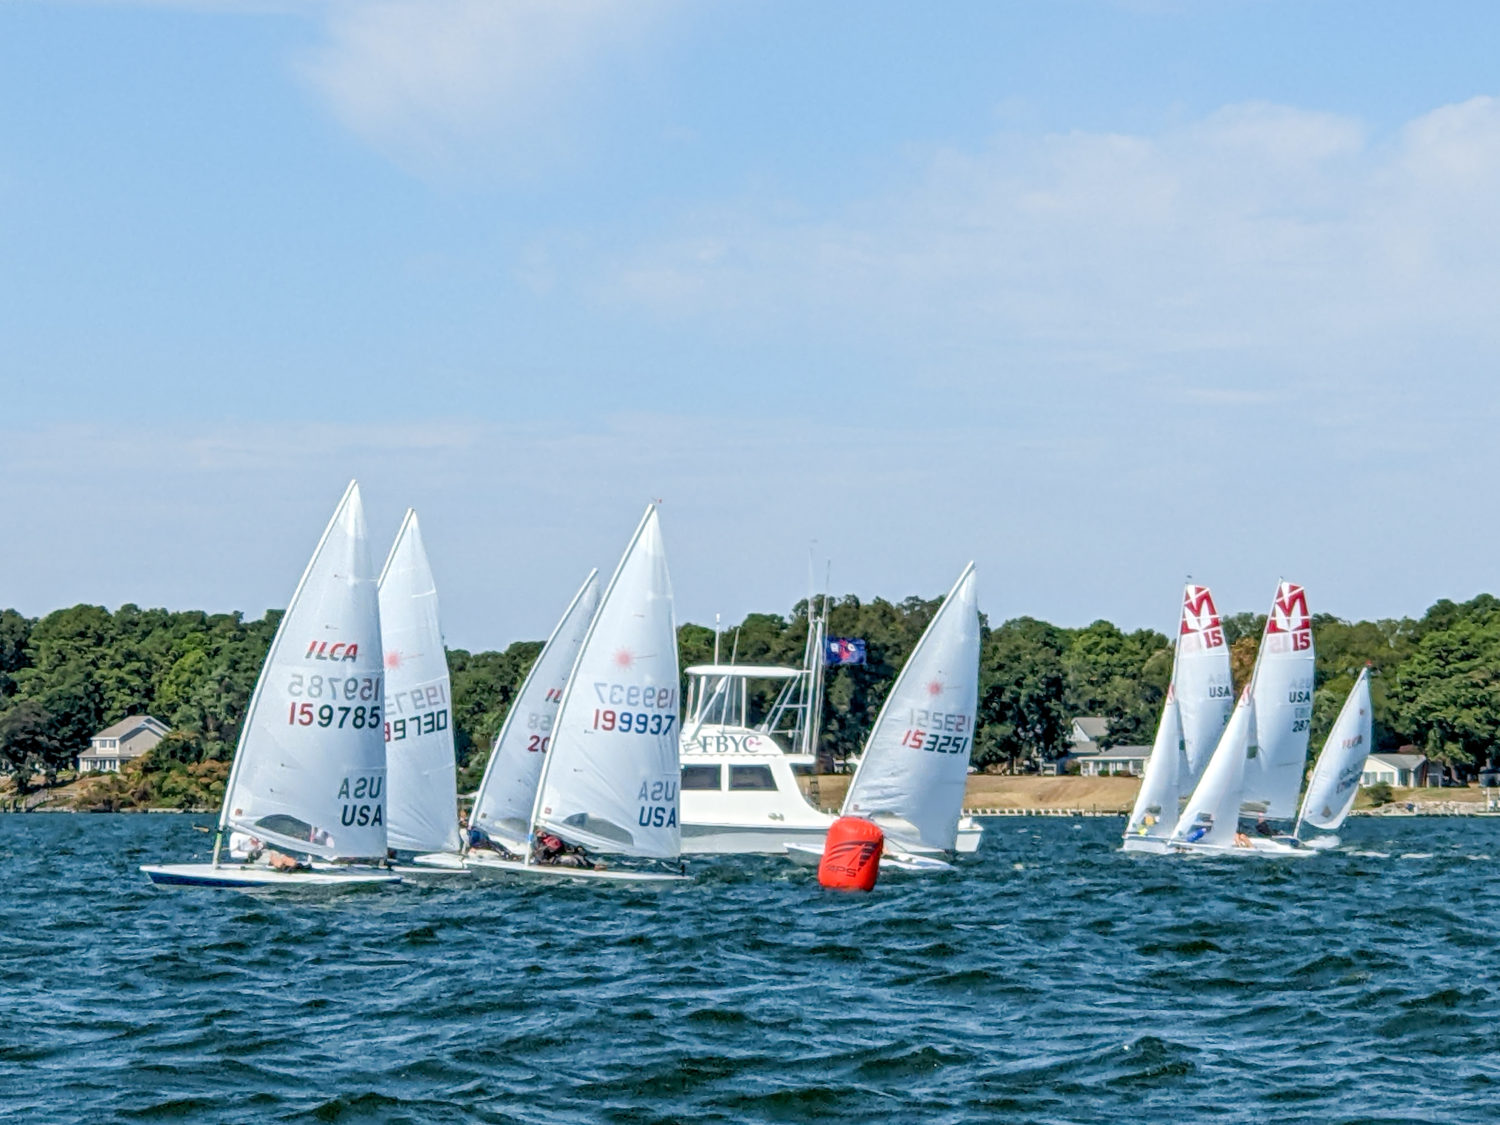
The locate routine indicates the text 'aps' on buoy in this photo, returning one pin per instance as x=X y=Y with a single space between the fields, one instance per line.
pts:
x=851 y=854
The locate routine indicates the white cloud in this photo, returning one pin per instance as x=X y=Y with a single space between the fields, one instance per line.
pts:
x=438 y=84
x=1259 y=236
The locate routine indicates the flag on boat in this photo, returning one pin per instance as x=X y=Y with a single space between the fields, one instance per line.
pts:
x=843 y=650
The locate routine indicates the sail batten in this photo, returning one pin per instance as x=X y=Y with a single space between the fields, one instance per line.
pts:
x=911 y=777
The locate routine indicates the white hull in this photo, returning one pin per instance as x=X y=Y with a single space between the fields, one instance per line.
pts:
x=1257 y=849
x=246 y=876
x=735 y=839
x=513 y=868
x=432 y=867
x=804 y=856
x=1150 y=845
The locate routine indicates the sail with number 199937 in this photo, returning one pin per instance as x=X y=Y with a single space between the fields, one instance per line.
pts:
x=610 y=779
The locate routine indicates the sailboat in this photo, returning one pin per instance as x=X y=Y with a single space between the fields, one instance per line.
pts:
x=609 y=780
x=1264 y=745
x=506 y=796
x=1199 y=699
x=1335 y=779
x=421 y=775
x=309 y=774
x=911 y=776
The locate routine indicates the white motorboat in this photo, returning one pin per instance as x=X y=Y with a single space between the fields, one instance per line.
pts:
x=739 y=790
x=309 y=774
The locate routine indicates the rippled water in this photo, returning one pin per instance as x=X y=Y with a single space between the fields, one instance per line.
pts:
x=1051 y=979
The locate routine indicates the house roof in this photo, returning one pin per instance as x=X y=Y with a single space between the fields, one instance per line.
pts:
x=1400 y=761
x=1094 y=726
x=130 y=724
x=1123 y=753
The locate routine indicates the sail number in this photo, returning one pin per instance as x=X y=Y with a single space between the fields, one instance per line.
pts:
x=636 y=722
x=633 y=695
x=334 y=687
x=429 y=722
x=327 y=715
x=937 y=743
x=941 y=720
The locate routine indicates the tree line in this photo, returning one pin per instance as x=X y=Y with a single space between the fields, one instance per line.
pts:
x=1435 y=681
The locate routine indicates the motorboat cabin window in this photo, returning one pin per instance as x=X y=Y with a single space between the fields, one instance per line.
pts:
x=751 y=777
x=702 y=777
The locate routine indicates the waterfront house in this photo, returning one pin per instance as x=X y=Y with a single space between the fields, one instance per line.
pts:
x=123 y=742
x=1088 y=731
x=1127 y=760
x=1396 y=770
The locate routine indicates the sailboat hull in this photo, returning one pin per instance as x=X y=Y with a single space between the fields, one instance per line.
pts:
x=249 y=876
x=497 y=868
x=1150 y=845
x=804 y=855
x=1257 y=849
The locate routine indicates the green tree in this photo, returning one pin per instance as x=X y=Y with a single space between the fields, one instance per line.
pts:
x=1022 y=694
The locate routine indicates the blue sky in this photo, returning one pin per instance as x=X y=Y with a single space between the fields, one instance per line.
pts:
x=1098 y=294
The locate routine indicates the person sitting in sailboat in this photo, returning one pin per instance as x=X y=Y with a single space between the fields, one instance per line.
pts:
x=1202 y=826
x=552 y=850
x=481 y=841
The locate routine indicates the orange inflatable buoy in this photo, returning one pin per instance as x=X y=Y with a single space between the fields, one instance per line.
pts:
x=851 y=854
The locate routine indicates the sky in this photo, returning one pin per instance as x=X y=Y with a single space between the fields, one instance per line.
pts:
x=1098 y=293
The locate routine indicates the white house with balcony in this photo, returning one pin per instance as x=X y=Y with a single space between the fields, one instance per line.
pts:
x=123 y=742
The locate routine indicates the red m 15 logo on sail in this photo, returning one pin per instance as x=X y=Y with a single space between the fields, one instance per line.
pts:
x=554 y=695
x=1200 y=616
x=1289 y=615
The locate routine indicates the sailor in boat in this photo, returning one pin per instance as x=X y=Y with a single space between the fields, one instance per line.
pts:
x=1263 y=826
x=551 y=850
x=1202 y=826
x=481 y=841
x=1153 y=814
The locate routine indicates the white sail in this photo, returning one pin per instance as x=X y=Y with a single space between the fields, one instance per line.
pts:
x=1335 y=779
x=507 y=793
x=1283 y=690
x=1201 y=677
x=421 y=784
x=911 y=777
x=610 y=777
x=1155 y=813
x=1212 y=813
x=309 y=774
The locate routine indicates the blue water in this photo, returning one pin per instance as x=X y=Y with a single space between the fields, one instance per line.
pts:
x=1051 y=979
